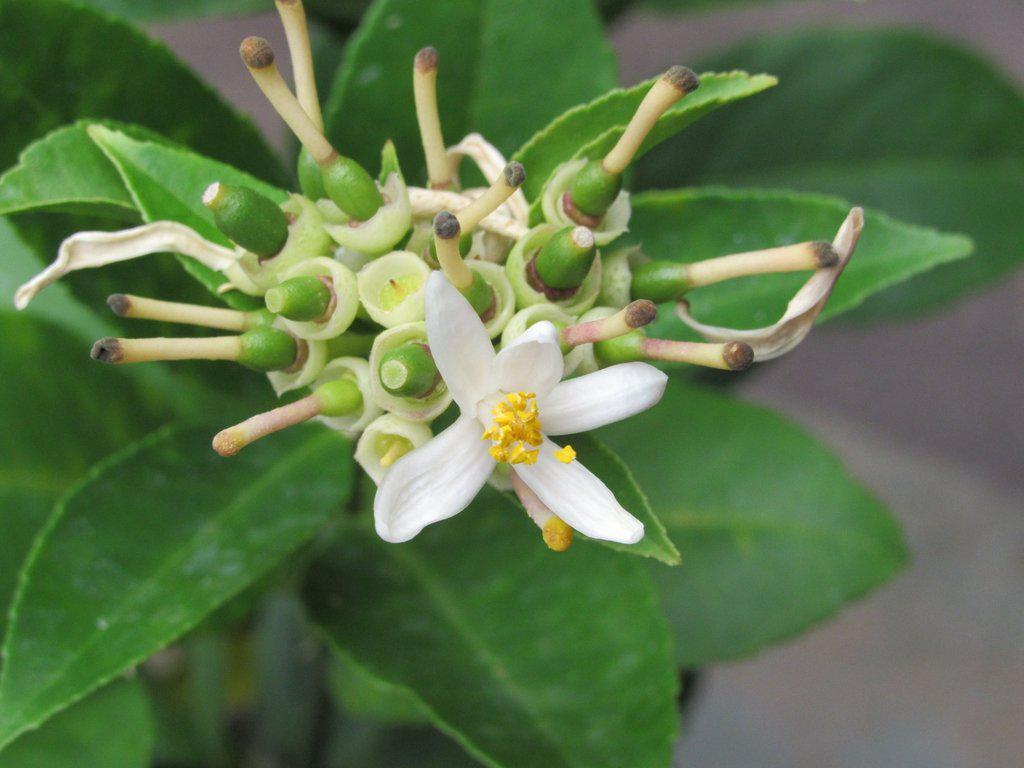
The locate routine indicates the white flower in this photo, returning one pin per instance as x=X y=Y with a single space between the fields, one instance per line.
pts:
x=506 y=400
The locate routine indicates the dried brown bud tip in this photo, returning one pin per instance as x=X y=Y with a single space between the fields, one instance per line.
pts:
x=640 y=313
x=825 y=254
x=446 y=225
x=683 y=79
x=738 y=355
x=119 y=304
x=107 y=350
x=515 y=174
x=426 y=59
x=256 y=53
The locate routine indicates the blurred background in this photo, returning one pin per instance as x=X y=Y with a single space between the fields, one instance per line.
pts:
x=929 y=413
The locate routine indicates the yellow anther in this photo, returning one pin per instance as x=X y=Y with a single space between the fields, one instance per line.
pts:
x=565 y=455
x=516 y=425
x=557 y=535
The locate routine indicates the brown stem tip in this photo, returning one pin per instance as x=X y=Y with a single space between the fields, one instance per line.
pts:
x=119 y=304
x=738 y=355
x=107 y=350
x=825 y=254
x=256 y=53
x=426 y=59
x=683 y=79
x=446 y=225
x=640 y=313
x=515 y=174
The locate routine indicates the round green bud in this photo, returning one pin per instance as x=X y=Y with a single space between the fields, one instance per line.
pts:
x=480 y=295
x=260 y=318
x=623 y=349
x=594 y=189
x=250 y=219
x=311 y=180
x=408 y=371
x=351 y=188
x=268 y=349
x=565 y=260
x=339 y=397
x=303 y=299
x=659 y=281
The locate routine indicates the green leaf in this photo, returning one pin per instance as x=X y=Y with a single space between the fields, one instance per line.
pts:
x=366 y=696
x=939 y=144
x=151 y=542
x=368 y=745
x=63 y=62
x=161 y=10
x=506 y=67
x=525 y=656
x=590 y=130
x=168 y=183
x=694 y=224
x=774 y=534
x=113 y=727
x=607 y=465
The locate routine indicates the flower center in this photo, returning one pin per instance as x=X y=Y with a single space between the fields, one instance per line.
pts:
x=515 y=430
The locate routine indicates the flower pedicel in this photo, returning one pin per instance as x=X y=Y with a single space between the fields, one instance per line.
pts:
x=383 y=300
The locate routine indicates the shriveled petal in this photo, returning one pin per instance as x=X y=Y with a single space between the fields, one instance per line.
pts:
x=532 y=362
x=87 y=250
x=427 y=203
x=603 y=397
x=432 y=483
x=491 y=163
x=458 y=342
x=577 y=496
x=802 y=310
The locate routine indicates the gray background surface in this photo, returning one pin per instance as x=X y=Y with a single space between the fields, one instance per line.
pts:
x=929 y=414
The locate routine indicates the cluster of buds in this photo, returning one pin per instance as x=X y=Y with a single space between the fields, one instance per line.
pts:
x=342 y=270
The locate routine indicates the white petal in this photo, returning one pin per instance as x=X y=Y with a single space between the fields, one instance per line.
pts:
x=458 y=342
x=603 y=397
x=577 y=496
x=532 y=362
x=802 y=310
x=433 y=482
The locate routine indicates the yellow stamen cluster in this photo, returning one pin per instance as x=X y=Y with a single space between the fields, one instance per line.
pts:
x=566 y=455
x=516 y=429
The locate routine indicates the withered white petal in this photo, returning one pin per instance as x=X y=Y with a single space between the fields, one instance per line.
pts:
x=801 y=312
x=427 y=203
x=491 y=163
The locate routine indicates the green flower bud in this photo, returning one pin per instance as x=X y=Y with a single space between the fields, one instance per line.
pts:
x=339 y=397
x=311 y=180
x=300 y=298
x=659 y=281
x=480 y=296
x=250 y=219
x=408 y=371
x=350 y=344
x=268 y=349
x=351 y=188
x=595 y=189
x=623 y=349
x=565 y=260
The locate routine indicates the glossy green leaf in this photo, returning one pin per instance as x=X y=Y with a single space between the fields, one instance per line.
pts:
x=63 y=62
x=590 y=130
x=367 y=696
x=161 y=10
x=893 y=119
x=150 y=543
x=775 y=535
x=525 y=656
x=606 y=464
x=506 y=68
x=694 y=224
x=168 y=183
x=112 y=728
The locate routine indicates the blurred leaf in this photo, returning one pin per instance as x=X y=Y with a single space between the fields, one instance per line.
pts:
x=892 y=119
x=592 y=129
x=168 y=183
x=606 y=464
x=63 y=62
x=694 y=224
x=525 y=656
x=506 y=67
x=150 y=543
x=368 y=745
x=775 y=535
x=161 y=10
x=365 y=695
x=112 y=728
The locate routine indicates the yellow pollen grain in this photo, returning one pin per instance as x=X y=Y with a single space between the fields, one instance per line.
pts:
x=565 y=455
x=516 y=425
